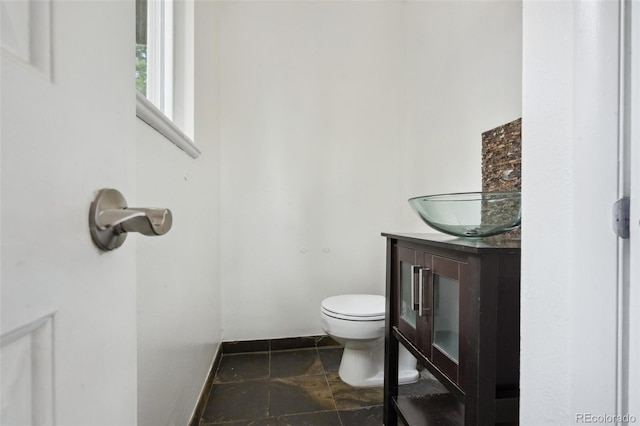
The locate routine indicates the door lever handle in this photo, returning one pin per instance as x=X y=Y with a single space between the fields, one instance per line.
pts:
x=114 y=217
x=110 y=220
x=148 y=221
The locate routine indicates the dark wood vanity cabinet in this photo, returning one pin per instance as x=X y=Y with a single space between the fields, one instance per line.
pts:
x=455 y=304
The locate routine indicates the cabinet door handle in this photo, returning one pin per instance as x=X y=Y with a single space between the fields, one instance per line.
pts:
x=414 y=271
x=422 y=311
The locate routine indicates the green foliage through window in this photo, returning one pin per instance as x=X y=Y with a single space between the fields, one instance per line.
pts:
x=141 y=68
x=141 y=46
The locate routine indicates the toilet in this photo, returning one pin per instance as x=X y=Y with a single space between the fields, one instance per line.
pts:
x=357 y=322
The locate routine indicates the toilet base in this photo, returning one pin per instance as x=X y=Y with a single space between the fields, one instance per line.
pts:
x=362 y=367
x=404 y=377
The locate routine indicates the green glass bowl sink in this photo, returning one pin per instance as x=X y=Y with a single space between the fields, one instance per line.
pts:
x=470 y=214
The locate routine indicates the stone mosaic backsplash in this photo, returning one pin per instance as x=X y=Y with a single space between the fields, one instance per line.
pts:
x=502 y=157
x=502 y=161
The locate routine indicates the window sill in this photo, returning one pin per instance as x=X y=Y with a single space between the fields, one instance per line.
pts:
x=151 y=115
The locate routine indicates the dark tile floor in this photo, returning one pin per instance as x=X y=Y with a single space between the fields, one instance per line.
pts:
x=295 y=387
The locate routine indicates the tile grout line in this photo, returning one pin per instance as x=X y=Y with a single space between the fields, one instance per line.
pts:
x=269 y=385
x=324 y=372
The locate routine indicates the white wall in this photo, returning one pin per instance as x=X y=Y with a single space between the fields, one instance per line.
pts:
x=463 y=76
x=570 y=113
x=311 y=115
x=178 y=273
x=333 y=114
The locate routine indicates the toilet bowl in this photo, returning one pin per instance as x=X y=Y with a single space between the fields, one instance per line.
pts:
x=357 y=322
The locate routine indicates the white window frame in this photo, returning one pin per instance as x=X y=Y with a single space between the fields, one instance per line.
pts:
x=168 y=105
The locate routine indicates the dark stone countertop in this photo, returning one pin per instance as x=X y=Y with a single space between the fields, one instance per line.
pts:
x=470 y=245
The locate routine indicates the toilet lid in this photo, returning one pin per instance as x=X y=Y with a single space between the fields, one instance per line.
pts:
x=364 y=307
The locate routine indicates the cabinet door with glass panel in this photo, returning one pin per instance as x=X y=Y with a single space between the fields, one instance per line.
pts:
x=431 y=308
x=445 y=290
x=413 y=310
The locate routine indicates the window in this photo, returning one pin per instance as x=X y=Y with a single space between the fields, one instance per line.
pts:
x=141 y=46
x=164 y=40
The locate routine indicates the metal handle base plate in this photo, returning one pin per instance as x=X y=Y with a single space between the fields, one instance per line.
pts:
x=106 y=238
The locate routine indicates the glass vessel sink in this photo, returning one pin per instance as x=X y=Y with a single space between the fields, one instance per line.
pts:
x=470 y=214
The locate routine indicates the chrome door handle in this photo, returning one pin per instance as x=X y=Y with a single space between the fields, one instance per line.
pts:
x=421 y=311
x=149 y=221
x=414 y=270
x=110 y=220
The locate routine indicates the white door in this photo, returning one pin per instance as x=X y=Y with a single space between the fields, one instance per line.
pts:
x=68 y=319
x=631 y=387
